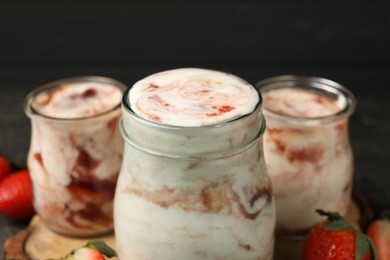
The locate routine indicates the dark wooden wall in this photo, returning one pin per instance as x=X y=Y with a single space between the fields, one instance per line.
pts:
x=347 y=41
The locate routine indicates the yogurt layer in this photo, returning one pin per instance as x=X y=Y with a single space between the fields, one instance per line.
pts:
x=301 y=103
x=77 y=100
x=192 y=97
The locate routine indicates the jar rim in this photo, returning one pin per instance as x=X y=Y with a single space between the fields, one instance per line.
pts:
x=33 y=113
x=126 y=105
x=311 y=83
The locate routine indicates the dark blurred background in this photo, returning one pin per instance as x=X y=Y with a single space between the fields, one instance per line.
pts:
x=346 y=41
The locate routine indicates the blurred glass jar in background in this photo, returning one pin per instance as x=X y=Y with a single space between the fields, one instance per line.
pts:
x=75 y=153
x=307 y=149
x=193 y=184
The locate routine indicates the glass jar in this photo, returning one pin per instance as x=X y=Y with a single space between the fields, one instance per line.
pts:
x=74 y=161
x=193 y=192
x=307 y=149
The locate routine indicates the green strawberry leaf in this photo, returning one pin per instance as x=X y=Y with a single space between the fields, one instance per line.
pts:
x=362 y=245
x=339 y=225
x=335 y=221
x=372 y=247
x=102 y=247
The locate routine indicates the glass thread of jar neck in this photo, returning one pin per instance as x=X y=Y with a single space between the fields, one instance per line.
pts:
x=203 y=156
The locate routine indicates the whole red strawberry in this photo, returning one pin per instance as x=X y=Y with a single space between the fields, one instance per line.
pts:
x=379 y=231
x=336 y=239
x=5 y=167
x=16 y=197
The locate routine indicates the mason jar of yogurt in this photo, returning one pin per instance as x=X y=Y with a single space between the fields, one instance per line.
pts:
x=307 y=148
x=193 y=183
x=75 y=153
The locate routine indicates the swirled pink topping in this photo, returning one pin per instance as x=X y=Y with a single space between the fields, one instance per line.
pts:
x=77 y=100
x=192 y=97
x=301 y=103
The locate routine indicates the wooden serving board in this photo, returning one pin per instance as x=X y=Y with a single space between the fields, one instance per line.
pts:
x=38 y=242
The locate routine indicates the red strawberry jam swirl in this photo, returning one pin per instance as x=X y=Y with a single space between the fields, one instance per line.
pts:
x=77 y=100
x=192 y=97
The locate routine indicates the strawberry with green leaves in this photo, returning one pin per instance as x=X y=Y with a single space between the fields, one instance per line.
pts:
x=85 y=253
x=94 y=250
x=336 y=239
x=379 y=231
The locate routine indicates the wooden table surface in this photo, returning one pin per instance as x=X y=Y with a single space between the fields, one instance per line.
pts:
x=346 y=41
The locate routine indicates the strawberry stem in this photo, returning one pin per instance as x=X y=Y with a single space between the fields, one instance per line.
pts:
x=332 y=216
x=335 y=221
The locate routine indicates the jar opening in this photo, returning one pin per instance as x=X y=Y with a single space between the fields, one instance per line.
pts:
x=126 y=104
x=303 y=99
x=45 y=91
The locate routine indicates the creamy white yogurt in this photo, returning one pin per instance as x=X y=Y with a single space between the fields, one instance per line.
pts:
x=77 y=100
x=192 y=97
x=302 y=103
